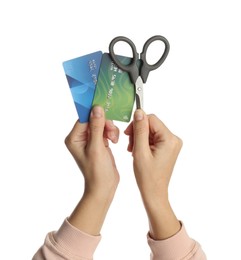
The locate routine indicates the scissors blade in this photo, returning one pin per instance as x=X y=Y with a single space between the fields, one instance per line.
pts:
x=139 y=93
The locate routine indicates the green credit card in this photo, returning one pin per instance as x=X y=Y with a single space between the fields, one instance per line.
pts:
x=114 y=90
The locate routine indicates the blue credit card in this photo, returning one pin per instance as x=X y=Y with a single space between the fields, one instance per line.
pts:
x=82 y=74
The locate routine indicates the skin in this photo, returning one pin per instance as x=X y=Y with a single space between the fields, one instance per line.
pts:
x=89 y=145
x=154 y=149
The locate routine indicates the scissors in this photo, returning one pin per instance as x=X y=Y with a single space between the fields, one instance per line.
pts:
x=138 y=75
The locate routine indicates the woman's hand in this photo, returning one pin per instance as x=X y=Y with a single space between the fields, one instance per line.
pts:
x=89 y=145
x=155 y=150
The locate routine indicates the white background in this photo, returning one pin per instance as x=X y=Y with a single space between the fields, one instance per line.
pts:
x=196 y=93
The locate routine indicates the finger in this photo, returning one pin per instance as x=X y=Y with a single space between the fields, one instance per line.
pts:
x=111 y=131
x=130 y=145
x=158 y=129
x=106 y=143
x=161 y=134
x=140 y=131
x=129 y=132
x=109 y=125
x=77 y=136
x=129 y=129
x=96 y=126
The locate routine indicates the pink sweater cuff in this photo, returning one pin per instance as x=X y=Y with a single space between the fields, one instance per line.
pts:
x=178 y=246
x=76 y=242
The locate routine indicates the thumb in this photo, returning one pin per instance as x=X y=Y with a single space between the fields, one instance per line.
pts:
x=140 y=131
x=96 y=125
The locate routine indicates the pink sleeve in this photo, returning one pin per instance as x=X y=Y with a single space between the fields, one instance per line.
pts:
x=68 y=243
x=179 y=246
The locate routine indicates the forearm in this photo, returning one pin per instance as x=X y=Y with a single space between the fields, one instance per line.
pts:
x=90 y=213
x=162 y=220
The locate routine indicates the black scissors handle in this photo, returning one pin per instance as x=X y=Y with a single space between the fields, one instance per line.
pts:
x=131 y=68
x=146 y=67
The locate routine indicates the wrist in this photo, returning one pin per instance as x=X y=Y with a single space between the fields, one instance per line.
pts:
x=100 y=194
x=152 y=197
x=99 y=198
x=90 y=213
x=101 y=186
x=162 y=220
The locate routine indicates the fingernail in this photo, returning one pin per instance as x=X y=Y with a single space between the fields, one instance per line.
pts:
x=112 y=136
x=97 y=112
x=111 y=124
x=139 y=115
